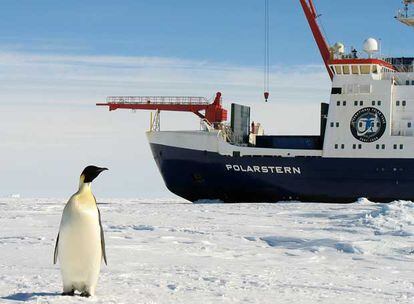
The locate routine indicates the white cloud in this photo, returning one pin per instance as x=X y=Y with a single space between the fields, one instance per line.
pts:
x=50 y=126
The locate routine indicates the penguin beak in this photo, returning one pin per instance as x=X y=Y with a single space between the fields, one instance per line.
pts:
x=103 y=169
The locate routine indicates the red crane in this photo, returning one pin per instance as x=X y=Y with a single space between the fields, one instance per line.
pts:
x=213 y=112
x=312 y=16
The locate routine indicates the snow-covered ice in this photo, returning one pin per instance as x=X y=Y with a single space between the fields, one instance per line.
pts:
x=171 y=251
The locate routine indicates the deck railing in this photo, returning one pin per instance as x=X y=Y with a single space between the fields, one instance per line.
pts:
x=185 y=100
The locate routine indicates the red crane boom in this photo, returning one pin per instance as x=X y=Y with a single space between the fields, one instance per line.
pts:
x=213 y=112
x=311 y=15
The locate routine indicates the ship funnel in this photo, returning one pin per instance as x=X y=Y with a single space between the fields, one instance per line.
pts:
x=370 y=46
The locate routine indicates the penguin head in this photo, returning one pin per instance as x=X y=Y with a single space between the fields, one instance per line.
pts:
x=90 y=173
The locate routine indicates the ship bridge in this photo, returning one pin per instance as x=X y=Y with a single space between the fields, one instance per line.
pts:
x=360 y=66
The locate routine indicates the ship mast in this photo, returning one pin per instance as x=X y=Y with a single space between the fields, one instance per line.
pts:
x=405 y=15
x=311 y=16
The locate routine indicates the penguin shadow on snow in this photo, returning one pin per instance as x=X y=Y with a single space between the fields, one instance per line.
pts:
x=27 y=296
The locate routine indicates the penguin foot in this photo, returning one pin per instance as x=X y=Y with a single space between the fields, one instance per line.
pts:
x=69 y=293
x=85 y=294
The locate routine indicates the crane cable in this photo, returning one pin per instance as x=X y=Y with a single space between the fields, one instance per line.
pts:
x=266 y=53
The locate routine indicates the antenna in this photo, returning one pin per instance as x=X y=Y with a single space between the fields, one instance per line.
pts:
x=404 y=15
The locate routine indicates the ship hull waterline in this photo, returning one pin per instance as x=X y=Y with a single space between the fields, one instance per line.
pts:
x=201 y=175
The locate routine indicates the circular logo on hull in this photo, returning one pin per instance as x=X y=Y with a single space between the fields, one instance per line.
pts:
x=368 y=124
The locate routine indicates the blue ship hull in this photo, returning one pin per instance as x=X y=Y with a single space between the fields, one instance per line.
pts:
x=196 y=175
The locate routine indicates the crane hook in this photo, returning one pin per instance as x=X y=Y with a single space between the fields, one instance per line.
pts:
x=266 y=96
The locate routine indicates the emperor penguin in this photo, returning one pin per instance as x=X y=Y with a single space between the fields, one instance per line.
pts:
x=80 y=244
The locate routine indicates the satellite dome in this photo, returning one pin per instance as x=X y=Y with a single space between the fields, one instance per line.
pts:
x=339 y=48
x=370 y=46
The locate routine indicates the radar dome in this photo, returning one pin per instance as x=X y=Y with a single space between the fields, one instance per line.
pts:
x=339 y=48
x=370 y=46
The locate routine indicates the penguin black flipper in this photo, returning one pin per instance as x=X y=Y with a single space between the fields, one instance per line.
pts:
x=55 y=255
x=102 y=235
x=102 y=238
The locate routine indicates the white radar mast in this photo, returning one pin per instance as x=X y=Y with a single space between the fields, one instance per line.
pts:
x=406 y=15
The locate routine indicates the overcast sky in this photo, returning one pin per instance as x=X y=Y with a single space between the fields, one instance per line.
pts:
x=57 y=59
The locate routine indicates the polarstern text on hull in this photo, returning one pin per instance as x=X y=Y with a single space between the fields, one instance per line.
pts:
x=264 y=169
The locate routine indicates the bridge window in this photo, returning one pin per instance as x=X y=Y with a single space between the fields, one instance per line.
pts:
x=346 y=69
x=395 y=147
x=332 y=124
x=361 y=103
x=338 y=69
x=344 y=103
x=336 y=146
x=407 y=82
x=379 y=102
x=375 y=69
x=373 y=102
x=354 y=146
x=404 y=103
x=337 y=124
x=401 y=147
x=359 y=146
x=409 y=125
x=355 y=102
x=342 y=146
x=397 y=103
x=338 y=103
x=355 y=70
x=383 y=147
x=365 y=69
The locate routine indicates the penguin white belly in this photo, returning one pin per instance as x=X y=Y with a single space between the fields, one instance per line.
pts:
x=80 y=252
